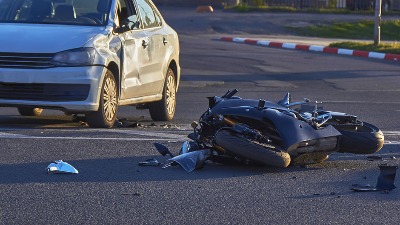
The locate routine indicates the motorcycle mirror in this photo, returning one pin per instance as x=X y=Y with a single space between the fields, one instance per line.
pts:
x=163 y=150
x=285 y=101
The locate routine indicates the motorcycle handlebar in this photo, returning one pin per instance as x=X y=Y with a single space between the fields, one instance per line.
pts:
x=229 y=94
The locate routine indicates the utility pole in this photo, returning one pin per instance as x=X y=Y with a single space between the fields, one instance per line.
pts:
x=377 y=27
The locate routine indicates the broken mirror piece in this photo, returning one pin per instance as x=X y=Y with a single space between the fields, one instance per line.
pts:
x=385 y=180
x=149 y=162
x=61 y=167
x=191 y=160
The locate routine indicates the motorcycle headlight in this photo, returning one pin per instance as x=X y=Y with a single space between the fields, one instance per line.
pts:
x=75 y=57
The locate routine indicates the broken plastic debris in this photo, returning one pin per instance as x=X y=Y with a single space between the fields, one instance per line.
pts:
x=191 y=160
x=149 y=162
x=61 y=167
x=385 y=180
x=123 y=122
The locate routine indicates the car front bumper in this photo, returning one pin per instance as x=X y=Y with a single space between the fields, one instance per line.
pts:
x=71 y=89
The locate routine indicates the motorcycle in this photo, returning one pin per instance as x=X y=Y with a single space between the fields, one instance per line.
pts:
x=249 y=131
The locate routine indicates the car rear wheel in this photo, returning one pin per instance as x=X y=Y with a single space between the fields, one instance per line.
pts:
x=164 y=110
x=105 y=116
x=29 y=111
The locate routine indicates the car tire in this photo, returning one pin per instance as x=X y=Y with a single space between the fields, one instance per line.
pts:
x=164 y=110
x=30 y=111
x=105 y=116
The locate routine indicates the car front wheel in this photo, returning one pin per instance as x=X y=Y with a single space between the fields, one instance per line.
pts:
x=105 y=116
x=164 y=110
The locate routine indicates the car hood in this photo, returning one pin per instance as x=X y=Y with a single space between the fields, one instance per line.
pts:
x=44 y=38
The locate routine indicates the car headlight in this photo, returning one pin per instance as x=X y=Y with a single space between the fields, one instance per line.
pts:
x=75 y=57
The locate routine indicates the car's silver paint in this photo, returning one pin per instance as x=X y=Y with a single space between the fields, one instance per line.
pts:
x=141 y=70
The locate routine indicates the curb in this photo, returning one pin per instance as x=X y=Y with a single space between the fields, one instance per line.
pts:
x=314 y=48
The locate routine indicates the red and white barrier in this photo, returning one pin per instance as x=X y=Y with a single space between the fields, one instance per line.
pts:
x=315 y=48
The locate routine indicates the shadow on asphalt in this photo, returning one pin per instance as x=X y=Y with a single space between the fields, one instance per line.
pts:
x=127 y=170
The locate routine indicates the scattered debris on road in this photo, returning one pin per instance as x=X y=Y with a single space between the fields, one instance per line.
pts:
x=385 y=180
x=150 y=162
x=61 y=167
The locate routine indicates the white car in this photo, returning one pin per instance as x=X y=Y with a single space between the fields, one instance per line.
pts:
x=87 y=57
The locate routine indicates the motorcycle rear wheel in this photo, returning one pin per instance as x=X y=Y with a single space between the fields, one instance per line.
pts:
x=365 y=139
x=265 y=154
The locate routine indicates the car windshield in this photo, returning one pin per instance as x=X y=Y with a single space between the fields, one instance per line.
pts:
x=75 y=12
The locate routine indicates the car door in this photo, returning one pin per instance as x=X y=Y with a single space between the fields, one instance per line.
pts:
x=134 y=54
x=152 y=73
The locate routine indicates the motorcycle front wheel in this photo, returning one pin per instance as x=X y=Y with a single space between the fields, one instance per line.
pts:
x=262 y=153
x=365 y=139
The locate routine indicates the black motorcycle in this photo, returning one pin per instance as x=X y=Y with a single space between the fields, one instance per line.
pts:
x=236 y=130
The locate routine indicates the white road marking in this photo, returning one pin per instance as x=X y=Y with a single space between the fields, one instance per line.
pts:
x=392 y=143
x=140 y=135
x=148 y=136
x=391 y=133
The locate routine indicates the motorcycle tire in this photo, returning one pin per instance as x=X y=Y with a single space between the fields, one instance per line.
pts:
x=269 y=156
x=365 y=139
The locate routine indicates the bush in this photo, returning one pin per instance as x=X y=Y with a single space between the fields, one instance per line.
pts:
x=257 y=2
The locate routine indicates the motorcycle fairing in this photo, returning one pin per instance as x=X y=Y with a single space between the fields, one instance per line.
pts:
x=190 y=161
x=291 y=130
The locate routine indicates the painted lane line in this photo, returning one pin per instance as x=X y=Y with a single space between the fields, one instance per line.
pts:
x=391 y=143
x=149 y=136
x=391 y=133
x=11 y=135
x=91 y=138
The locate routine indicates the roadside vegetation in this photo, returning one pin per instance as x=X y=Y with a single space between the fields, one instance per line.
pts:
x=361 y=30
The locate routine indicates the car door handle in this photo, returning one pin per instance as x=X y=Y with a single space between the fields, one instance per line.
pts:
x=145 y=44
x=164 y=41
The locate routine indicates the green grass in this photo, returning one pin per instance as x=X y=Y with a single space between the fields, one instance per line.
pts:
x=393 y=48
x=364 y=30
x=390 y=30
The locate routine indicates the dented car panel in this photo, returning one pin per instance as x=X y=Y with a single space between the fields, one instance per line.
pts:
x=41 y=56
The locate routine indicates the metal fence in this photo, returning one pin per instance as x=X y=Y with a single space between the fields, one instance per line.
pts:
x=301 y=4
x=298 y=4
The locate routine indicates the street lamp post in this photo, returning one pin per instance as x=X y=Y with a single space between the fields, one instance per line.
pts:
x=377 y=27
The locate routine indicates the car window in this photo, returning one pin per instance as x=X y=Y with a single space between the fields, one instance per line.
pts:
x=79 y=12
x=148 y=15
x=125 y=10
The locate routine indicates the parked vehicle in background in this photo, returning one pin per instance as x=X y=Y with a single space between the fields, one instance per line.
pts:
x=87 y=57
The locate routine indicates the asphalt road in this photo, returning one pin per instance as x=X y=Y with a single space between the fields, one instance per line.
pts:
x=112 y=189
